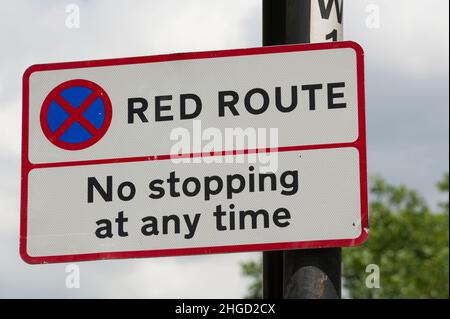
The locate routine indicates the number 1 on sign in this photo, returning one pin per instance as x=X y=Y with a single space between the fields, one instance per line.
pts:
x=332 y=35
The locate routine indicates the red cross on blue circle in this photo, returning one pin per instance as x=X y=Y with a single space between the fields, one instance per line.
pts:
x=76 y=114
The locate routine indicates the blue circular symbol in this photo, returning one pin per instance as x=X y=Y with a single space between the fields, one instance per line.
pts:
x=76 y=114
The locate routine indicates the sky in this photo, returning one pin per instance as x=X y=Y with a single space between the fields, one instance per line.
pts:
x=407 y=115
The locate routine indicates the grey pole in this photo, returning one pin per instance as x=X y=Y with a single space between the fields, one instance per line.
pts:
x=308 y=273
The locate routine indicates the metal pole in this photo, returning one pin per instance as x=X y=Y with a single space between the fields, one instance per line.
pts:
x=273 y=274
x=309 y=273
x=312 y=274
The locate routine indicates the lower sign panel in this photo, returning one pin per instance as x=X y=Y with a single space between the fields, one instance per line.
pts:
x=297 y=199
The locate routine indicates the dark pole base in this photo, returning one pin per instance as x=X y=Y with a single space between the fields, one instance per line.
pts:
x=273 y=274
x=312 y=274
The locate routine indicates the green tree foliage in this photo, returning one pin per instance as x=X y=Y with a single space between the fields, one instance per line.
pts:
x=407 y=242
x=253 y=270
x=443 y=187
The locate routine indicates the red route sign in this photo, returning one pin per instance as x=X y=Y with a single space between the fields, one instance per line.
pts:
x=46 y=206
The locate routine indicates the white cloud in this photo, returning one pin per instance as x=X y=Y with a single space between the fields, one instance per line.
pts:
x=10 y=119
x=413 y=37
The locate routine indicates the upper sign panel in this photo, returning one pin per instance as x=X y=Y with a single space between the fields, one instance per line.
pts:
x=125 y=108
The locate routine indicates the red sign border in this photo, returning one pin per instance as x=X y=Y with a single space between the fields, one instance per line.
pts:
x=359 y=144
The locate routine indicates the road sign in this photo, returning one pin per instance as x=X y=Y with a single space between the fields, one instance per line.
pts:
x=208 y=152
